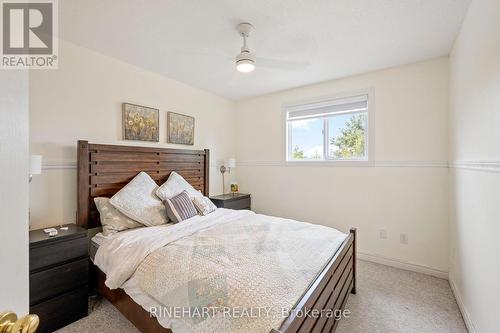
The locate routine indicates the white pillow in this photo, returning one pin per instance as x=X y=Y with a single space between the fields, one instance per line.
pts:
x=175 y=185
x=204 y=205
x=138 y=201
x=111 y=219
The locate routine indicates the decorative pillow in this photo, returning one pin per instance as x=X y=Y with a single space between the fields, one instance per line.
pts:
x=204 y=205
x=138 y=201
x=111 y=219
x=180 y=207
x=174 y=185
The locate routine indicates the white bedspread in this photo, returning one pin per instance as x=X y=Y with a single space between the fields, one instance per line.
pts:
x=120 y=256
x=256 y=261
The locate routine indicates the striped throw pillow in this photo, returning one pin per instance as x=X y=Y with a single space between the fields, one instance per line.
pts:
x=180 y=207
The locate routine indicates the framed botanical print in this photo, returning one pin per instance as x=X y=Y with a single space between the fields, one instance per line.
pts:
x=140 y=123
x=180 y=129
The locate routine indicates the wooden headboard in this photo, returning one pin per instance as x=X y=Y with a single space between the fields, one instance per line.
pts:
x=104 y=169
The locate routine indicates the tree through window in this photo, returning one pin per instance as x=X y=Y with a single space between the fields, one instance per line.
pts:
x=328 y=131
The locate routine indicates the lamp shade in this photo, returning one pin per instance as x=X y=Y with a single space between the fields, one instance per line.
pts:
x=35 y=164
x=231 y=163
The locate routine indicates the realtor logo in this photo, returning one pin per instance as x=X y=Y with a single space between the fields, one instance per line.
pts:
x=29 y=34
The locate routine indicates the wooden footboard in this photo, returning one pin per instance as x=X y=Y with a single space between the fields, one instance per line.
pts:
x=329 y=292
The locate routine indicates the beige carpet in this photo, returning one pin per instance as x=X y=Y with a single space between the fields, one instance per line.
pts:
x=394 y=300
x=388 y=300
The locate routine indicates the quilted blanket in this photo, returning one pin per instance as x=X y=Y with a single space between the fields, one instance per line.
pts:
x=240 y=275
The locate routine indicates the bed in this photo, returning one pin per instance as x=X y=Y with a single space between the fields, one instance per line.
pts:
x=105 y=169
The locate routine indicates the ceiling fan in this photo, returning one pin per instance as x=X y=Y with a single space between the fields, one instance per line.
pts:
x=246 y=60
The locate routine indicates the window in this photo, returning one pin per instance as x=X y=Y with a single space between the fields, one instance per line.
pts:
x=333 y=130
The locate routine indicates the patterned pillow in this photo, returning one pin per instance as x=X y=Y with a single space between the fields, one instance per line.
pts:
x=180 y=207
x=204 y=205
x=111 y=219
x=138 y=201
x=174 y=185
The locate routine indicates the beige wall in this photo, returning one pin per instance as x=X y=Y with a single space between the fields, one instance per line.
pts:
x=82 y=100
x=405 y=192
x=475 y=178
x=14 y=172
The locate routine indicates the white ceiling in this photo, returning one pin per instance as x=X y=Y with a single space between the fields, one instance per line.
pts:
x=195 y=42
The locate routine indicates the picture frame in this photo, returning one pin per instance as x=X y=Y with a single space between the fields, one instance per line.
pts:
x=140 y=123
x=234 y=187
x=180 y=128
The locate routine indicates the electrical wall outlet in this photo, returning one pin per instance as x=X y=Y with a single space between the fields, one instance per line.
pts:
x=403 y=239
x=383 y=234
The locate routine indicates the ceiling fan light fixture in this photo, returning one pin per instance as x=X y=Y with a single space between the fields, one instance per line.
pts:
x=245 y=61
x=245 y=65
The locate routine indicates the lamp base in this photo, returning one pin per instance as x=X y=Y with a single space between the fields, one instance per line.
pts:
x=223 y=183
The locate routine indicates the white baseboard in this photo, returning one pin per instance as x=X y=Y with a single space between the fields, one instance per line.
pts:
x=465 y=313
x=403 y=265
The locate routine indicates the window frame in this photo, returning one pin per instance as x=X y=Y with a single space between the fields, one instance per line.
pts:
x=327 y=160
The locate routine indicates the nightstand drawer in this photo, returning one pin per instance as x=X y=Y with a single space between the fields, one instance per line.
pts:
x=233 y=201
x=57 y=280
x=57 y=252
x=243 y=203
x=62 y=310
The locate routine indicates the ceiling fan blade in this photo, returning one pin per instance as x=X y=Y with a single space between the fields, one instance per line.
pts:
x=271 y=63
x=281 y=64
x=201 y=53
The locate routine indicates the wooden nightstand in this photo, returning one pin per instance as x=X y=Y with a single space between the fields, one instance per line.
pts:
x=59 y=277
x=233 y=201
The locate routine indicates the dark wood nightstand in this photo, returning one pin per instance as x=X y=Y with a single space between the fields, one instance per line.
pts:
x=233 y=201
x=59 y=277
